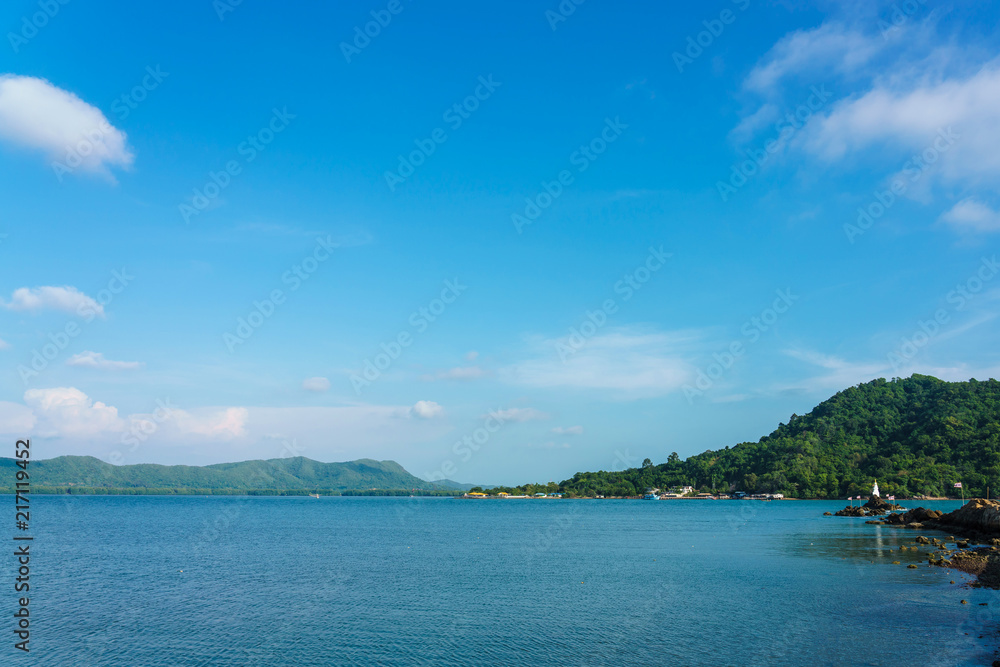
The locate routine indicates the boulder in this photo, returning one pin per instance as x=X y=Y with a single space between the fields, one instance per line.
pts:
x=851 y=511
x=876 y=505
x=976 y=515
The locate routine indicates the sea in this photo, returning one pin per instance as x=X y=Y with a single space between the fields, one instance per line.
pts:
x=153 y=580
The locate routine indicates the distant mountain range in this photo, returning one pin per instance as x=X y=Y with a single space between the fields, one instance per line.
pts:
x=86 y=474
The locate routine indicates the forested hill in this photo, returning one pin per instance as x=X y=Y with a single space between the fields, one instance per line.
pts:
x=917 y=435
x=86 y=474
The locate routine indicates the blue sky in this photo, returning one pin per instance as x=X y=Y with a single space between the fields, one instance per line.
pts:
x=621 y=231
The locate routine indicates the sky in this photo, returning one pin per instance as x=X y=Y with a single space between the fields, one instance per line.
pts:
x=497 y=243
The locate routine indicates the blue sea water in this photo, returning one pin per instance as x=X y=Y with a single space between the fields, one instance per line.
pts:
x=431 y=581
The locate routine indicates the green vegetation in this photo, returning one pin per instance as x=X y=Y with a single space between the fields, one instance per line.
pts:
x=288 y=476
x=918 y=435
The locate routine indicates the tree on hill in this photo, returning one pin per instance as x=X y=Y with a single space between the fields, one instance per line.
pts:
x=917 y=435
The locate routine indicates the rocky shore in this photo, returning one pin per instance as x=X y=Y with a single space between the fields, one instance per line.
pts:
x=874 y=507
x=978 y=521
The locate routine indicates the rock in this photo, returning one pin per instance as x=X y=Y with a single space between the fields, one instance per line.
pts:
x=964 y=544
x=922 y=540
x=876 y=523
x=876 y=505
x=911 y=566
x=990 y=576
x=895 y=562
x=827 y=513
x=978 y=514
x=965 y=602
x=851 y=511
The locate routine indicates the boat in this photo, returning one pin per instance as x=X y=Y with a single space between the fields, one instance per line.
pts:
x=314 y=495
x=650 y=496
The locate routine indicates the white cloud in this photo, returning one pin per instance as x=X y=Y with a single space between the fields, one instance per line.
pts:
x=973 y=216
x=520 y=415
x=89 y=359
x=425 y=410
x=36 y=114
x=4 y=344
x=832 y=46
x=751 y=124
x=223 y=424
x=68 y=412
x=917 y=102
x=67 y=299
x=471 y=355
x=316 y=384
x=568 y=430
x=951 y=121
x=626 y=363
x=16 y=419
x=458 y=373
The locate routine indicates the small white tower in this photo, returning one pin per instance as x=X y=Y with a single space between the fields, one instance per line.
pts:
x=875 y=489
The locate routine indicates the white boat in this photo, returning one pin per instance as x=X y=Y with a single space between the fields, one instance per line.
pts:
x=314 y=495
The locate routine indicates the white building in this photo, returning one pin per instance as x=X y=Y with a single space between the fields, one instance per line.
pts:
x=875 y=489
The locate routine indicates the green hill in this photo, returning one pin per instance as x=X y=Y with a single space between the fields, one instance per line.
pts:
x=917 y=435
x=86 y=474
